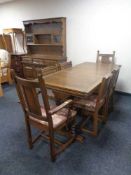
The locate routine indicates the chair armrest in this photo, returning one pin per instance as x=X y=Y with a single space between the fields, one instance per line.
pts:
x=56 y=109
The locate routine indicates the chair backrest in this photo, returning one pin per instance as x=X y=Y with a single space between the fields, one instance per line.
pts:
x=105 y=58
x=115 y=74
x=49 y=70
x=30 y=101
x=28 y=70
x=31 y=70
x=103 y=90
x=44 y=62
x=65 y=65
x=39 y=61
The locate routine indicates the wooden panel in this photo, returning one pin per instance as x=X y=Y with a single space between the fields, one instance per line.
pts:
x=16 y=63
x=5 y=43
x=8 y=43
x=2 y=45
x=12 y=30
x=43 y=49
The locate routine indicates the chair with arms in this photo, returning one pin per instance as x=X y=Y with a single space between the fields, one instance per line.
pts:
x=105 y=58
x=92 y=105
x=48 y=120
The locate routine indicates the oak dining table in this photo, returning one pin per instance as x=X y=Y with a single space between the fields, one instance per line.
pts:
x=80 y=80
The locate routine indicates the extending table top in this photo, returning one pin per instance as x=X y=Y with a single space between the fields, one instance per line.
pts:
x=79 y=80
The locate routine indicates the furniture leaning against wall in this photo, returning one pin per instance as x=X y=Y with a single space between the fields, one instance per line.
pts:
x=6 y=43
x=16 y=47
x=17 y=36
x=46 y=40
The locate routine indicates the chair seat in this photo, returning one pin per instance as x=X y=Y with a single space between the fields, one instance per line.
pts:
x=87 y=104
x=58 y=118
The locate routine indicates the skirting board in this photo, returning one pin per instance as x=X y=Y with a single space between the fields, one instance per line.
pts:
x=123 y=93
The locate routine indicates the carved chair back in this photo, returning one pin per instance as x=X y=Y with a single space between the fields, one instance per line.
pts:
x=49 y=70
x=60 y=96
x=105 y=58
x=27 y=91
x=65 y=65
x=115 y=74
x=31 y=70
x=103 y=91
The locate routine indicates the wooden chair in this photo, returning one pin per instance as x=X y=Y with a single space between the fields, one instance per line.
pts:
x=46 y=71
x=5 y=75
x=92 y=106
x=48 y=120
x=105 y=58
x=115 y=74
x=32 y=69
x=28 y=70
x=37 y=59
x=49 y=70
x=60 y=96
x=65 y=65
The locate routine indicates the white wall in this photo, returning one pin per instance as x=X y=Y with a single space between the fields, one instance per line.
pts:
x=91 y=25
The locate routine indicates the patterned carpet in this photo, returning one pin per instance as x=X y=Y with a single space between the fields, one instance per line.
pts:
x=108 y=154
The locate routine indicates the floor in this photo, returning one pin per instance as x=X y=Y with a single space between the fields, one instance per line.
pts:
x=108 y=154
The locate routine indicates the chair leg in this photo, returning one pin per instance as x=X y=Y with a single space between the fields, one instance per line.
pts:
x=94 y=130
x=104 y=112
x=52 y=145
x=111 y=105
x=29 y=135
x=95 y=124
